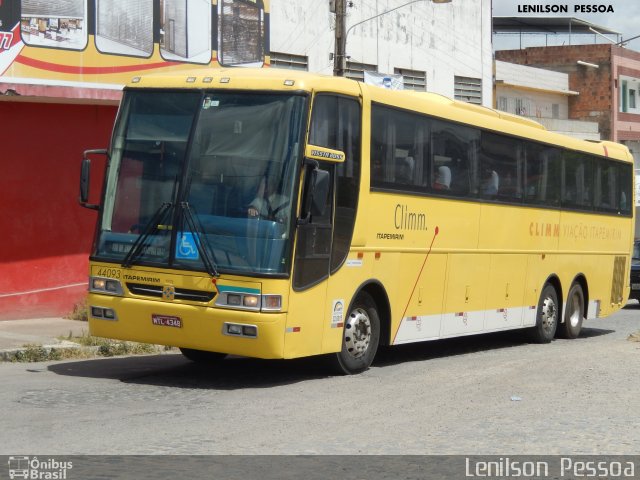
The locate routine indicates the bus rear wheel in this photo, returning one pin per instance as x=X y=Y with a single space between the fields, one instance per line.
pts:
x=546 y=317
x=360 y=337
x=574 y=313
x=203 y=357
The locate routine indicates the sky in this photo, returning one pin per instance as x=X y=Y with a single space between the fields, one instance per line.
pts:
x=624 y=19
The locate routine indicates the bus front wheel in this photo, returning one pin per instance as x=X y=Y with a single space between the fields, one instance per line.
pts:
x=202 y=356
x=546 y=317
x=574 y=313
x=360 y=337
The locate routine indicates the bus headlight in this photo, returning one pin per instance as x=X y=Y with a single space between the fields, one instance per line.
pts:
x=108 y=286
x=249 y=301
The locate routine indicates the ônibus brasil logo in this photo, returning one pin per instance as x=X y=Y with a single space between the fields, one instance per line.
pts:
x=33 y=468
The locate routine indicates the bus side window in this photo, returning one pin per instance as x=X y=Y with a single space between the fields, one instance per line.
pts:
x=454 y=147
x=399 y=149
x=577 y=180
x=542 y=174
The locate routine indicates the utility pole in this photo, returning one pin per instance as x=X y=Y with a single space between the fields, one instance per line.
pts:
x=339 y=59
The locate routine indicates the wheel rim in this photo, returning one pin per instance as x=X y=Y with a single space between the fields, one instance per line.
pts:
x=357 y=335
x=549 y=314
x=576 y=311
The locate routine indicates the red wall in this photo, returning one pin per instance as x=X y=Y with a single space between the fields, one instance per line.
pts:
x=45 y=236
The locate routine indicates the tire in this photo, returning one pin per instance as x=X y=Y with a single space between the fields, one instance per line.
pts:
x=574 y=313
x=360 y=338
x=203 y=357
x=547 y=316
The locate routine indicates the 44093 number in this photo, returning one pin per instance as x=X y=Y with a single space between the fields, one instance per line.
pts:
x=109 y=272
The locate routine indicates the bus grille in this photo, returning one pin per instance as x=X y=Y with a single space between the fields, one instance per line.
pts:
x=617 y=285
x=180 y=293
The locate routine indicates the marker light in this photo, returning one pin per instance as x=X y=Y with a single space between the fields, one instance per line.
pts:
x=271 y=302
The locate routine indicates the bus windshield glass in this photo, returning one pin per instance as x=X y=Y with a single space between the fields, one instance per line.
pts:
x=197 y=178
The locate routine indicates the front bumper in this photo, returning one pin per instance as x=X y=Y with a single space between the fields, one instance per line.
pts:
x=200 y=328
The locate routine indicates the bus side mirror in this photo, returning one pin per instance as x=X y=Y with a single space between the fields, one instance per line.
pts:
x=320 y=192
x=85 y=179
x=316 y=191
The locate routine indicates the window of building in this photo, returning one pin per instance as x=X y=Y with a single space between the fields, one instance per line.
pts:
x=632 y=98
x=355 y=71
x=468 y=89
x=413 y=79
x=624 y=104
x=290 y=61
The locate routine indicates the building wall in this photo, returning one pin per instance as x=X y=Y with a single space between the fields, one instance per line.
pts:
x=626 y=64
x=46 y=235
x=594 y=103
x=444 y=40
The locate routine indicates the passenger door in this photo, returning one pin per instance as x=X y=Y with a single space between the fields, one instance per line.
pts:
x=323 y=244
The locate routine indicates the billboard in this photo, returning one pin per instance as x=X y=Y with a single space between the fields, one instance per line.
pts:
x=93 y=42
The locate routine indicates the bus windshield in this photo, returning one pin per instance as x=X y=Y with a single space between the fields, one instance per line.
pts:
x=203 y=177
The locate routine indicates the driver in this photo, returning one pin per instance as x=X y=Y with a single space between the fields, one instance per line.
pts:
x=269 y=204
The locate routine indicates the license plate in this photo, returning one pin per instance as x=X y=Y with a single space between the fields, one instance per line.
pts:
x=166 y=321
x=635 y=286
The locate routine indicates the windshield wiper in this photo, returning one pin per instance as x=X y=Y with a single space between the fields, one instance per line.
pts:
x=194 y=225
x=150 y=228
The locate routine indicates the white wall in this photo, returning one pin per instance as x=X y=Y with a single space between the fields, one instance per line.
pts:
x=443 y=40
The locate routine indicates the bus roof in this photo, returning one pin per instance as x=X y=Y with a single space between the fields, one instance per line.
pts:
x=431 y=104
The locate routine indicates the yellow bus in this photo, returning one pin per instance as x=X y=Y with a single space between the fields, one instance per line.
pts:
x=279 y=214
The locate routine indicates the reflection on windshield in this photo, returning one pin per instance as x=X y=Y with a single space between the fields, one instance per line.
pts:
x=241 y=178
x=239 y=182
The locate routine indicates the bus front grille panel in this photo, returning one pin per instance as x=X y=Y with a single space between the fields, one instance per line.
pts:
x=180 y=293
x=617 y=284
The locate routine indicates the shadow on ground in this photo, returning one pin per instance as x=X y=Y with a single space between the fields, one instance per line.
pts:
x=173 y=370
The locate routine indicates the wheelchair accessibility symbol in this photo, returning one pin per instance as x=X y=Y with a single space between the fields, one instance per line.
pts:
x=186 y=247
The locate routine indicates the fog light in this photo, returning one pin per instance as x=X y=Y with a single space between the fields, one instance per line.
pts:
x=251 y=301
x=109 y=313
x=250 y=331
x=234 y=329
x=96 y=312
x=234 y=299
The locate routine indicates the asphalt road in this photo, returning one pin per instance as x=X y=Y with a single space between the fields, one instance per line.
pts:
x=492 y=394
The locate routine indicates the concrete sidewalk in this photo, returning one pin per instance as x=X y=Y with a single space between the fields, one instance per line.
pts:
x=46 y=332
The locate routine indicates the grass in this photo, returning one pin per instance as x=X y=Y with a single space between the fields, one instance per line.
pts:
x=86 y=346
x=80 y=311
